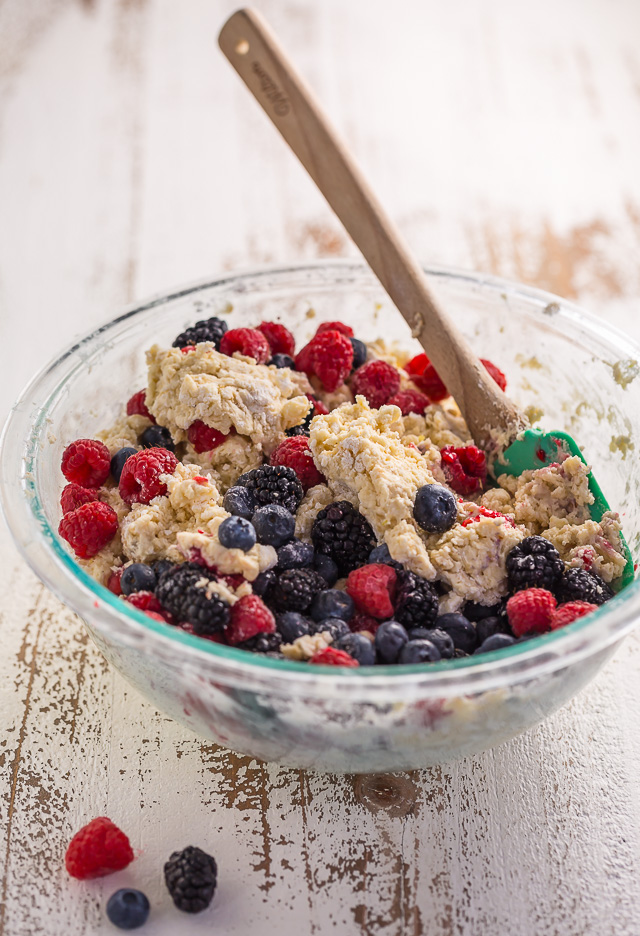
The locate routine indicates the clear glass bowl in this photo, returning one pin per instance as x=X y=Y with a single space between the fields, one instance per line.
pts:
x=568 y=364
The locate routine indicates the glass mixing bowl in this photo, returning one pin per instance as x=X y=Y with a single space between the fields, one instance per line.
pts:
x=574 y=369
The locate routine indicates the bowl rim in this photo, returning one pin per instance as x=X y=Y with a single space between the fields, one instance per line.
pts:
x=81 y=592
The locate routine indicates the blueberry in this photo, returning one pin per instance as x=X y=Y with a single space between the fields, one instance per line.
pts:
x=128 y=909
x=476 y=612
x=496 y=642
x=489 y=626
x=237 y=533
x=332 y=603
x=291 y=625
x=359 y=647
x=282 y=360
x=157 y=437
x=440 y=638
x=263 y=582
x=295 y=555
x=461 y=631
x=419 y=651
x=137 y=577
x=359 y=353
x=327 y=568
x=336 y=627
x=382 y=555
x=435 y=508
x=118 y=460
x=274 y=525
x=240 y=502
x=389 y=640
x=162 y=565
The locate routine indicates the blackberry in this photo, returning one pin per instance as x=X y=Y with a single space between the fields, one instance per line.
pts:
x=273 y=484
x=296 y=589
x=534 y=563
x=416 y=601
x=262 y=643
x=179 y=594
x=303 y=427
x=207 y=613
x=211 y=329
x=190 y=876
x=342 y=533
x=580 y=585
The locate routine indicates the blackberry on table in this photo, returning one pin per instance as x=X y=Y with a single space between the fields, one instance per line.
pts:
x=342 y=533
x=191 y=877
x=296 y=589
x=534 y=563
x=416 y=601
x=273 y=484
x=211 y=329
x=580 y=585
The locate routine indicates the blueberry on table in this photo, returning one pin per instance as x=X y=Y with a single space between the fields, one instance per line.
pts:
x=358 y=646
x=240 y=502
x=138 y=577
x=389 y=640
x=291 y=625
x=237 y=533
x=496 y=642
x=332 y=603
x=461 y=631
x=419 y=651
x=118 y=460
x=128 y=909
x=157 y=437
x=295 y=555
x=435 y=508
x=274 y=525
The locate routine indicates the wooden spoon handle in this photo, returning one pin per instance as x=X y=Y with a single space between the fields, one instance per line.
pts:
x=253 y=50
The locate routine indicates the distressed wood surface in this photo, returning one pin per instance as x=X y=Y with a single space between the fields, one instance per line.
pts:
x=123 y=133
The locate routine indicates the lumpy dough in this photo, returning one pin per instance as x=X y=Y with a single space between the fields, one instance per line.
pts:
x=125 y=432
x=311 y=504
x=596 y=547
x=558 y=490
x=228 y=461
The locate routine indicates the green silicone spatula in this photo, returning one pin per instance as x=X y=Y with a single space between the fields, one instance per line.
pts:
x=496 y=424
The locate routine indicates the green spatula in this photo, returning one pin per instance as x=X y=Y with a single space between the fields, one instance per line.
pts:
x=494 y=421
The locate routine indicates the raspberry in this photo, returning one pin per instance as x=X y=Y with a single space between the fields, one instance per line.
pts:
x=496 y=373
x=86 y=462
x=485 y=512
x=363 y=622
x=344 y=535
x=303 y=360
x=570 y=611
x=425 y=377
x=410 y=401
x=373 y=588
x=140 y=479
x=331 y=355
x=99 y=848
x=280 y=339
x=249 y=616
x=136 y=406
x=191 y=876
x=465 y=468
x=534 y=563
x=146 y=601
x=335 y=326
x=204 y=438
x=74 y=496
x=296 y=589
x=531 y=610
x=211 y=329
x=248 y=341
x=332 y=657
x=416 y=601
x=88 y=528
x=580 y=585
x=318 y=406
x=113 y=582
x=295 y=453
x=378 y=381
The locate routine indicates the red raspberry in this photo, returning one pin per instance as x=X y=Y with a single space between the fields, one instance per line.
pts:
x=88 y=528
x=484 y=512
x=86 y=462
x=531 y=610
x=336 y=326
x=280 y=339
x=570 y=611
x=249 y=616
x=373 y=589
x=332 y=657
x=318 y=405
x=425 y=377
x=303 y=360
x=74 y=496
x=410 y=401
x=248 y=341
x=145 y=601
x=140 y=479
x=465 y=468
x=136 y=406
x=204 y=438
x=99 y=848
x=378 y=381
x=363 y=622
x=295 y=453
x=113 y=582
x=156 y=616
x=496 y=373
x=329 y=356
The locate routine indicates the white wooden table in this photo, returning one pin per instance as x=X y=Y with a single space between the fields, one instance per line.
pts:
x=503 y=136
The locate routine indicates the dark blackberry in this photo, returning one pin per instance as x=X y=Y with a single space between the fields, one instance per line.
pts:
x=296 y=589
x=211 y=329
x=273 y=484
x=190 y=876
x=178 y=592
x=303 y=427
x=534 y=563
x=342 y=533
x=416 y=601
x=580 y=585
x=262 y=643
x=173 y=583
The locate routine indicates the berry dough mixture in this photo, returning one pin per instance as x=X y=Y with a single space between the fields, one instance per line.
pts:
x=326 y=506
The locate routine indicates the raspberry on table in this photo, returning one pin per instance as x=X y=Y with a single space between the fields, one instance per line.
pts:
x=280 y=339
x=89 y=528
x=303 y=362
x=409 y=401
x=534 y=563
x=425 y=377
x=205 y=438
x=248 y=341
x=416 y=601
x=191 y=877
x=571 y=611
x=273 y=484
x=136 y=405
x=335 y=326
x=373 y=589
x=249 y=617
x=332 y=657
x=531 y=611
x=496 y=373
x=211 y=329
x=99 y=848
x=378 y=381
x=329 y=356
x=580 y=585
x=86 y=462
x=140 y=479
x=465 y=468
x=342 y=533
x=295 y=453
x=295 y=589
x=74 y=496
